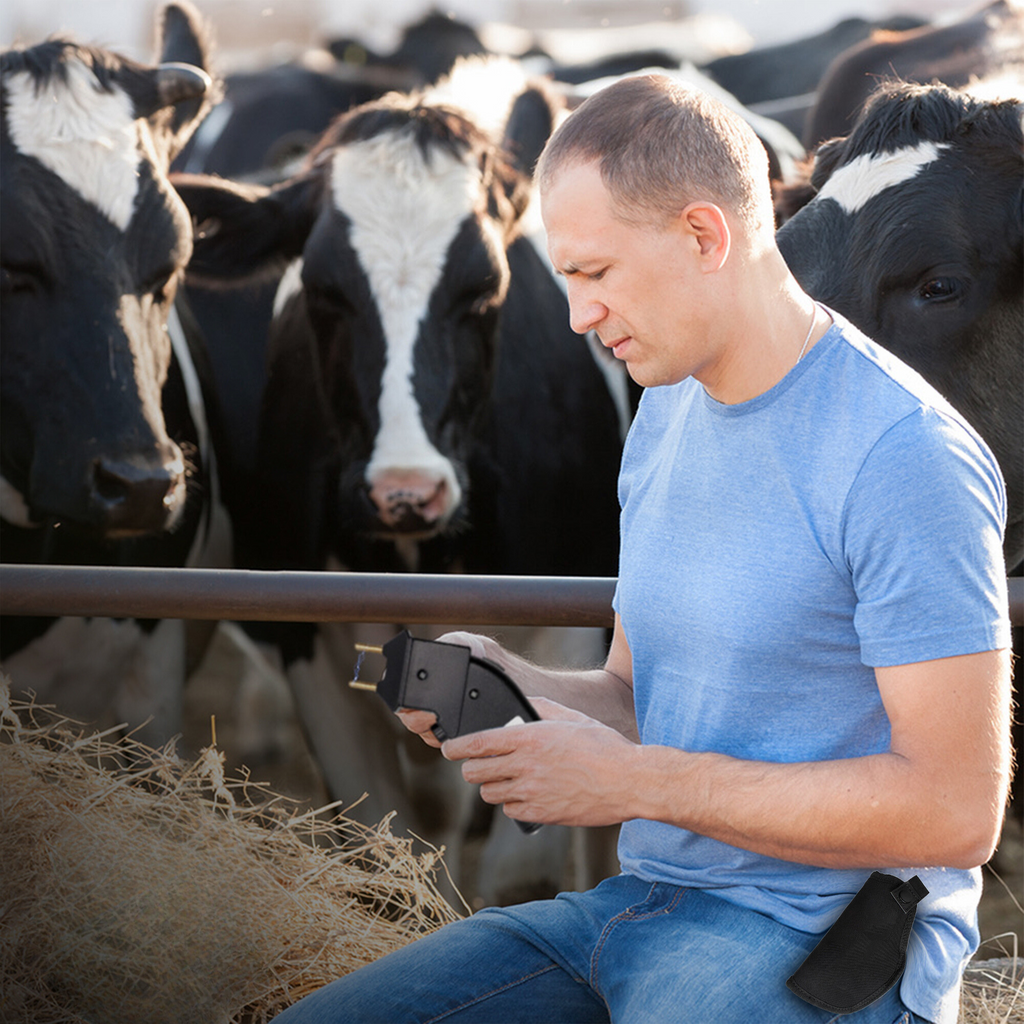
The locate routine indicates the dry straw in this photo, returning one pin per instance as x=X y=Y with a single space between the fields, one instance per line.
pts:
x=993 y=992
x=136 y=886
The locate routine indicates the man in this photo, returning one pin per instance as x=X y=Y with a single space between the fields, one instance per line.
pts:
x=808 y=678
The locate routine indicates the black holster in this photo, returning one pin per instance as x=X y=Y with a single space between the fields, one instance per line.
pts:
x=864 y=953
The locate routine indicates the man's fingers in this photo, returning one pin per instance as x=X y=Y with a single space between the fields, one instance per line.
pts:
x=420 y=722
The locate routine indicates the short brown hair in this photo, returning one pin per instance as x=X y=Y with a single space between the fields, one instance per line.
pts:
x=662 y=145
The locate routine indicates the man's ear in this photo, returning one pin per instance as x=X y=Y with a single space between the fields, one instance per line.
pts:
x=707 y=225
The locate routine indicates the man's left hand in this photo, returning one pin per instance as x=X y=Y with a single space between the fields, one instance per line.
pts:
x=567 y=769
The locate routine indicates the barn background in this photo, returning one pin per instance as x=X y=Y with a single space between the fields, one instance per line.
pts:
x=251 y=32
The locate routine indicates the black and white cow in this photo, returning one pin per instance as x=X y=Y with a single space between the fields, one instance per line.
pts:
x=427 y=406
x=391 y=371
x=105 y=455
x=267 y=120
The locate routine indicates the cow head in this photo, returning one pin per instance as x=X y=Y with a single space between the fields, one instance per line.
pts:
x=394 y=239
x=915 y=233
x=94 y=241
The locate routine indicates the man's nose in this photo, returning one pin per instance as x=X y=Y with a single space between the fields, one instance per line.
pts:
x=585 y=314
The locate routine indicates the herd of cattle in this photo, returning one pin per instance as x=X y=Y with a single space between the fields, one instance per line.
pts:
x=303 y=319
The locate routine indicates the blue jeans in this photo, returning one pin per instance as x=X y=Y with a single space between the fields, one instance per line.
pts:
x=628 y=951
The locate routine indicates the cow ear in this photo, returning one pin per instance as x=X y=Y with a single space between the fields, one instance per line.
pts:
x=827 y=158
x=181 y=91
x=183 y=36
x=241 y=232
x=529 y=125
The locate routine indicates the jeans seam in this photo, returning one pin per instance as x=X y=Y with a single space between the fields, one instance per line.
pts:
x=628 y=915
x=493 y=992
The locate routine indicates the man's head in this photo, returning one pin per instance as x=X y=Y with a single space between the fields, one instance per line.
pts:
x=661 y=146
x=657 y=208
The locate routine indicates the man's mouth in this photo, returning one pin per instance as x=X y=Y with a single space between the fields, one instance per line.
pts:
x=618 y=345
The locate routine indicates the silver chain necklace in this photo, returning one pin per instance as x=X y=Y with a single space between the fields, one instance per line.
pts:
x=810 y=331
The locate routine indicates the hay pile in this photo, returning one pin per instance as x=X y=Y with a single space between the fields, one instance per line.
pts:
x=137 y=887
x=993 y=992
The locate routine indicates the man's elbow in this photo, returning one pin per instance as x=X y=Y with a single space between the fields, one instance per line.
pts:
x=971 y=855
x=970 y=839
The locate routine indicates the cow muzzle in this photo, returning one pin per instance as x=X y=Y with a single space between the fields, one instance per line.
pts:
x=138 y=494
x=411 y=501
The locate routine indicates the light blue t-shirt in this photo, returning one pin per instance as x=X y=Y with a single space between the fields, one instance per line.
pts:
x=774 y=553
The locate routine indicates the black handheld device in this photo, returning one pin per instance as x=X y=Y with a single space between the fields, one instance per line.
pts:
x=466 y=693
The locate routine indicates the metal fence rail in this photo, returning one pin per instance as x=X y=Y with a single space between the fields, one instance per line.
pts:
x=244 y=595
x=247 y=595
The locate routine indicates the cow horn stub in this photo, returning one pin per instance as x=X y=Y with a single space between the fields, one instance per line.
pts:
x=176 y=83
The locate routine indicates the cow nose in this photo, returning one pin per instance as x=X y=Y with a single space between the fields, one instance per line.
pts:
x=138 y=494
x=410 y=500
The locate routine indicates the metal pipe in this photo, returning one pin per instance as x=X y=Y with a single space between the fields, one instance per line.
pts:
x=249 y=595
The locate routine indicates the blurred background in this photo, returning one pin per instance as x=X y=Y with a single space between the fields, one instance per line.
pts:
x=248 y=31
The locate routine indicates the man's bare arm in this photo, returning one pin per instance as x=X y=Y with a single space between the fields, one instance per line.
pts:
x=935 y=798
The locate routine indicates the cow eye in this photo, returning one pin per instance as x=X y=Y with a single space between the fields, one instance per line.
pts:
x=940 y=289
x=20 y=281
x=476 y=299
x=159 y=285
x=330 y=301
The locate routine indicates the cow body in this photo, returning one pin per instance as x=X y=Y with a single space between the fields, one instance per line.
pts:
x=781 y=80
x=271 y=116
x=985 y=41
x=427 y=405
x=105 y=451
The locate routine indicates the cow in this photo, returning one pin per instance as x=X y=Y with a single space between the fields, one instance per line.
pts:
x=106 y=455
x=427 y=50
x=266 y=122
x=427 y=406
x=980 y=44
x=781 y=80
x=916 y=233
x=271 y=116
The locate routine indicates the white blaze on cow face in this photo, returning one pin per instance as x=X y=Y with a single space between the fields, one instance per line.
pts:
x=404 y=214
x=87 y=136
x=855 y=184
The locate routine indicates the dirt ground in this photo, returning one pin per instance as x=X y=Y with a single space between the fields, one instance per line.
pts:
x=256 y=728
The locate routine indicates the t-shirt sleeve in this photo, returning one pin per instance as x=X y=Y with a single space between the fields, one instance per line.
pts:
x=922 y=537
